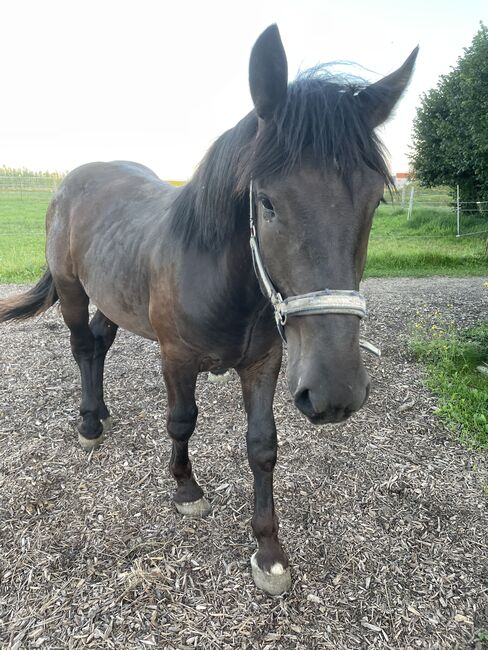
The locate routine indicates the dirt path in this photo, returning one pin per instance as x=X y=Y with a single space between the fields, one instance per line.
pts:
x=384 y=517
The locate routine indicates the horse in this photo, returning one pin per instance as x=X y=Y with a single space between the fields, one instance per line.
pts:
x=267 y=242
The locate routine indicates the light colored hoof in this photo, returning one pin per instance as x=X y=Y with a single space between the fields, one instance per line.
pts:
x=220 y=379
x=199 y=508
x=274 y=582
x=91 y=443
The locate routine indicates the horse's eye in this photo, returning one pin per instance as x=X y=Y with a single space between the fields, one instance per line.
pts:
x=266 y=203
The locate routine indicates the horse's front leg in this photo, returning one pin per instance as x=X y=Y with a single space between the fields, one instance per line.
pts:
x=269 y=563
x=180 y=379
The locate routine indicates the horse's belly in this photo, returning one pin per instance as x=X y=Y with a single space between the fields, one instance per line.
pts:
x=127 y=309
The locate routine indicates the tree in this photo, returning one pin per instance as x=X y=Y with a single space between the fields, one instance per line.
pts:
x=451 y=126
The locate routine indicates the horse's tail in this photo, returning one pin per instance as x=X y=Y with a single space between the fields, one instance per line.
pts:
x=35 y=301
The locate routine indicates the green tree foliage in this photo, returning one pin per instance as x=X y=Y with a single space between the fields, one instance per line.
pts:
x=451 y=126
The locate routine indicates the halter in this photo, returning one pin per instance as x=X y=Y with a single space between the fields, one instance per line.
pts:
x=328 y=301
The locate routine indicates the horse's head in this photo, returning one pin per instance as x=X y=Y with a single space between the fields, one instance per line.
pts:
x=318 y=175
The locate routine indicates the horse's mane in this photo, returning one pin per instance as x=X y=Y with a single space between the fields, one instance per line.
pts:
x=320 y=117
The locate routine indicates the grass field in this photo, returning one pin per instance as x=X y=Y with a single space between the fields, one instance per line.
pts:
x=425 y=245
x=22 y=235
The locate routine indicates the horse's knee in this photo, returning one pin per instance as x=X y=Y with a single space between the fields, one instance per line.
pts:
x=82 y=343
x=181 y=423
x=104 y=332
x=263 y=460
x=262 y=451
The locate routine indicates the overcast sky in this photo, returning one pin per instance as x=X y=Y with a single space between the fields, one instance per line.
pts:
x=157 y=81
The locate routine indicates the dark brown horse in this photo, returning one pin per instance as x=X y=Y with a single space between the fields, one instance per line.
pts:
x=175 y=265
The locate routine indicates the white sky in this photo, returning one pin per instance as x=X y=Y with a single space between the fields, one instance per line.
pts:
x=157 y=82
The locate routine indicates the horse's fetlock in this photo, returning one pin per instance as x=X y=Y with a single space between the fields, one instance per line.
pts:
x=90 y=426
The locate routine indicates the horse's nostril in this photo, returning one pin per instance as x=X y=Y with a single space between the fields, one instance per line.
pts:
x=304 y=403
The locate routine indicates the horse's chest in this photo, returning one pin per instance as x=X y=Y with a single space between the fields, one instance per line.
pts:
x=229 y=339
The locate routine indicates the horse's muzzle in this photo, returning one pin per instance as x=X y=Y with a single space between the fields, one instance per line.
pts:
x=333 y=405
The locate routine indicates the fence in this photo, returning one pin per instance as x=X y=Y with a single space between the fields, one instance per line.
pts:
x=470 y=218
x=23 y=184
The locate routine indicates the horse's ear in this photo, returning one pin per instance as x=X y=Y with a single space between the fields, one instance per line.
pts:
x=268 y=72
x=379 y=99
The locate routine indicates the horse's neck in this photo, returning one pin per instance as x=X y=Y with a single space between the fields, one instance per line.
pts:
x=235 y=257
x=217 y=259
x=226 y=274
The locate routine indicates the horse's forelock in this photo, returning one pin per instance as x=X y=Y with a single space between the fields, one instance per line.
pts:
x=320 y=117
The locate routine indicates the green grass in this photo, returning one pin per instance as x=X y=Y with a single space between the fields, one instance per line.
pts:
x=426 y=245
x=451 y=358
x=22 y=235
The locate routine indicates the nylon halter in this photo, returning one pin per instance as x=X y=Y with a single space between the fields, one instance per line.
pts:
x=328 y=301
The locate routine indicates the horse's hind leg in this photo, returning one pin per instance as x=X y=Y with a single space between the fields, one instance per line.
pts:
x=74 y=307
x=104 y=331
x=180 y=379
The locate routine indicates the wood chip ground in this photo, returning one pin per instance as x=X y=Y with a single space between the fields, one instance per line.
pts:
x=384 y=517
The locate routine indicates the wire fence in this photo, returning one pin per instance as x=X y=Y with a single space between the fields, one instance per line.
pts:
x=23 y=184
x=469 y=218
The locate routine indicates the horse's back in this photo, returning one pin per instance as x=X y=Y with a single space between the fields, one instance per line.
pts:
x=105 y=182
x=103 y=226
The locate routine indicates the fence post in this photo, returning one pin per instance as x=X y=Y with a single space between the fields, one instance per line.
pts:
x=410 y=203
x=458 y=211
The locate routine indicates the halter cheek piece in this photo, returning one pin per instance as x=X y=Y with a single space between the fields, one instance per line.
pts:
x=328 y=301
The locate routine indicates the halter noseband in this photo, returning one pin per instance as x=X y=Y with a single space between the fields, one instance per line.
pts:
x=328 y=301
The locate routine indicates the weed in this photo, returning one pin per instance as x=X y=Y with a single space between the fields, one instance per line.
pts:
x=483 y=636
x=451 y=358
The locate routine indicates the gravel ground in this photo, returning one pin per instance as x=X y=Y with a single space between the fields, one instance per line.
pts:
x=384 y=516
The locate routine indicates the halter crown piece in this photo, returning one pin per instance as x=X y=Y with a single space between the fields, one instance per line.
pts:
x=328 y=301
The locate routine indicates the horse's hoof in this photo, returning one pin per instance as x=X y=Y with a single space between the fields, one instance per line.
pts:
x=88 y=444
x=274 y=582
x=199 y=508
x=220 y=379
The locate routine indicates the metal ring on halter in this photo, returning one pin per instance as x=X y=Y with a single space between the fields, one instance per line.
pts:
x=280 y=313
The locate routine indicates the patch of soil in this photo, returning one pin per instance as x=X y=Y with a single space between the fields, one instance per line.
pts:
x=384 y=517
